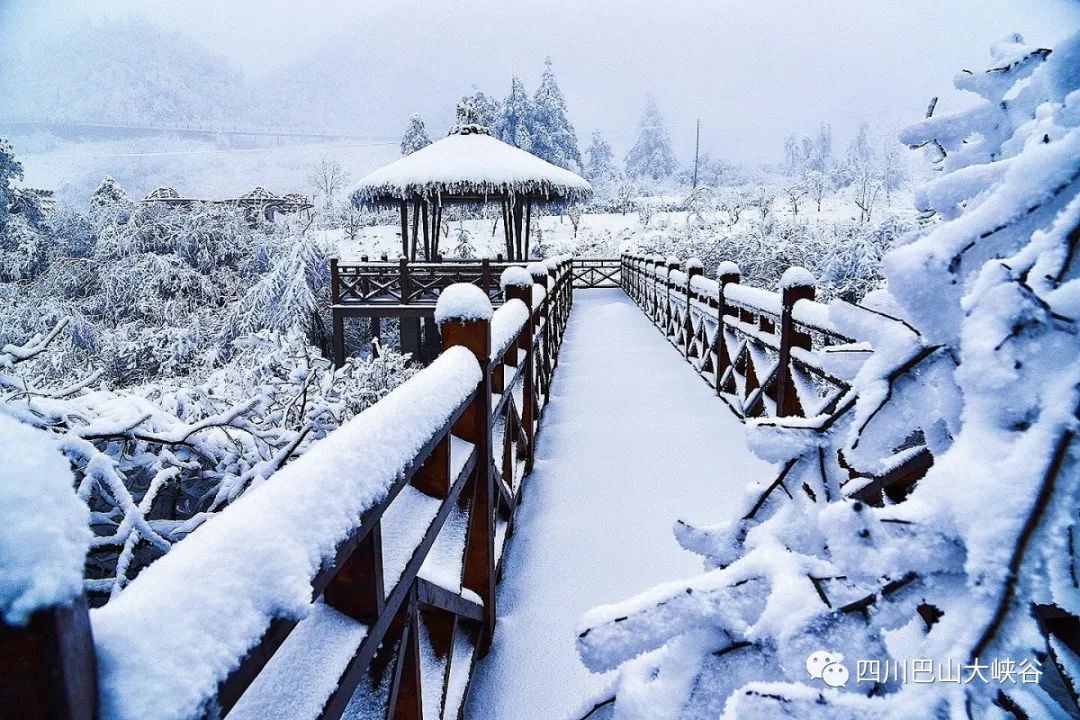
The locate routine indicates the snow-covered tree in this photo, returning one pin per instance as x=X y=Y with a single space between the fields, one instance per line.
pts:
x=599 y=160
x=651 y=155
x=10 y=171
x=554 y=138
x=818 y=184
x=328 y=177
x=463 y=244
x=108 y=194
x=972 y=572
x=415 y=136
x=515 y=125
x=478 y=109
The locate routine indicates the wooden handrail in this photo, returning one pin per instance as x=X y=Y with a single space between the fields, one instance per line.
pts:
x=486 y=484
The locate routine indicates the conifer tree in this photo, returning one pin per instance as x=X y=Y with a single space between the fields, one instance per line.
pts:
x=415 y=137
x=554 y=138
x=600 y=160
x=651 y=156
x=478 y=109
x=515 y=125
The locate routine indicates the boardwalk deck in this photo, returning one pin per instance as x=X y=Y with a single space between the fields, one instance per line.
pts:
x=619 y=458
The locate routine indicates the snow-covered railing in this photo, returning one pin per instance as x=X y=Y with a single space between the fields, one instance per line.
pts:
x=596 y=272
x=361 y=575
x=765 y=353
x=773 y=356
x=406 y=291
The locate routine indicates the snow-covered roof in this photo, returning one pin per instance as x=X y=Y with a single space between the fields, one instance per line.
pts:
x=163 y=194
x=260 y=194
x=469 y=162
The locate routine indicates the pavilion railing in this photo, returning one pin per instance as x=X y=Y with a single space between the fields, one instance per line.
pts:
x=412 y=581
x=766 y=354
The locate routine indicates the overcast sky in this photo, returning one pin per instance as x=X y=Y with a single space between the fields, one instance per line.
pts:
x=752 y=70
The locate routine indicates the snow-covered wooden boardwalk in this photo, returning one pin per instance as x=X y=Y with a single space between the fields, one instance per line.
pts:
x=632 y=440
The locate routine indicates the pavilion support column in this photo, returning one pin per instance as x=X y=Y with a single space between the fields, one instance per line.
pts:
x=528 y=224
x=520 y=213
x=404 y=229
x=415 y=229
x=428 y=253
x=505 y=207
x=436 y=228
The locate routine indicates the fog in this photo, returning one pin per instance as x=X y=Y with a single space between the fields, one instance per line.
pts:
x=750 y=70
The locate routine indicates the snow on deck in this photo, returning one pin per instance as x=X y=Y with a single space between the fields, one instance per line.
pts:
x=632 y=440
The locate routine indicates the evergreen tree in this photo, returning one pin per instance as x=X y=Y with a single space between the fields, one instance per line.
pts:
x=515 y=125
x=10 y=171
x=554 y=138
x=108 y=194
x=478 y=109
x=651 y=156
x=415 y=136
x=600 y=160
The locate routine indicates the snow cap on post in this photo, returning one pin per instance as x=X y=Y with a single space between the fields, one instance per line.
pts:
x=673 y=262
x=539 y=272
x=796 y=276
x=516 y=277
x=694 y=267
x=45 y=532
x=462 y=302
x=727 y=268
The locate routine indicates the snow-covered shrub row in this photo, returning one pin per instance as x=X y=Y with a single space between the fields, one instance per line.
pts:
x=170 y=351
x=980 y=366
x=845 y=255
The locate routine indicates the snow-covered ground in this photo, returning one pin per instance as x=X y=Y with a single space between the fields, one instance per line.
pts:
x=631 y=442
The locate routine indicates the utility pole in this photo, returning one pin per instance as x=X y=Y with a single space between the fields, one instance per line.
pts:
x=697 y=147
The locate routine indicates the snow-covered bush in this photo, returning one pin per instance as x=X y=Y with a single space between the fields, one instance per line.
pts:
x=944 y=601
x=154 y=461
x=174 y=355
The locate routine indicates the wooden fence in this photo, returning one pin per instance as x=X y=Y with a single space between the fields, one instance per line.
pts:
x=421 y=630
x=406 y=292
x=764 y=353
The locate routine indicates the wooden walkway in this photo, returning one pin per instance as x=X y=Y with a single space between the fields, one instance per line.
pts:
x=619 y=458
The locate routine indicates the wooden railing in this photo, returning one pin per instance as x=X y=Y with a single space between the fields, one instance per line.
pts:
x=597 y=272
x=760 y=350
x=766 y=354
x=404 y=282
x=405 y=553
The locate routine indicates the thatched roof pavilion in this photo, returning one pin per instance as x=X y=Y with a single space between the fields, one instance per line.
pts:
x=467 y=166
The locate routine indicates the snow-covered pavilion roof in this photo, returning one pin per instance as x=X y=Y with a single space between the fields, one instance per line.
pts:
x=469 y=163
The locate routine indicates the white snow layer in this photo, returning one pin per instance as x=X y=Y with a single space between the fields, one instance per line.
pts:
x=506 y=325
x=474 y=164
x=631 y=442
x=516 y=276
x=462 y=302
x=796 y=276
x=186 y=621
x=44 y=527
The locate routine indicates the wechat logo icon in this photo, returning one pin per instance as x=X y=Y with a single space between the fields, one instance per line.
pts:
x=826 y=666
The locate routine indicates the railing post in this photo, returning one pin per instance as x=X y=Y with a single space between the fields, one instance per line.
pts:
x=474 y=426
x=727 y=273
x=693 y=269
x=540 y=277
x=796 y=284
x=671 y=264
x=335 y=312
x=409 y=327
x=523 y=292
x=48 y=668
